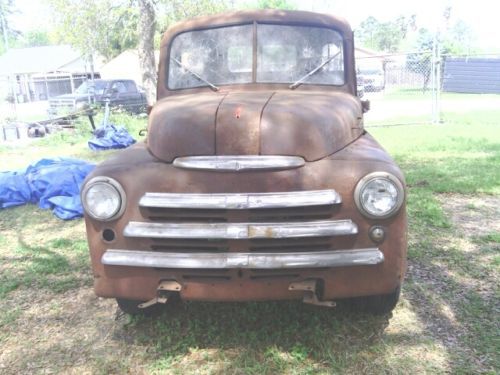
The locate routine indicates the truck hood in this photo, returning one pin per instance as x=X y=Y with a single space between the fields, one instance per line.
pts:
x=312 y=125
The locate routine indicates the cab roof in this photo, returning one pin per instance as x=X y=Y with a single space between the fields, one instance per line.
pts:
x=263 y=16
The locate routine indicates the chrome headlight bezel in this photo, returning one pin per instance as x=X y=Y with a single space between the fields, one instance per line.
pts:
x=363 y=183
x=117 y=188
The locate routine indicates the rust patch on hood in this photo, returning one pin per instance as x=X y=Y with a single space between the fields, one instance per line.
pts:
x=183 y=125
x=238 y=123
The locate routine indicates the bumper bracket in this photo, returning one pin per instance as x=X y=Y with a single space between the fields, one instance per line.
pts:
x=309 y=287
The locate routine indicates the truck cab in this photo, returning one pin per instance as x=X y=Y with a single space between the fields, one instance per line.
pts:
x=121 y=93
x=257 y=180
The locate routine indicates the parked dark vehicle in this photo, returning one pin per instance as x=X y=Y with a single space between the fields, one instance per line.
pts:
x=257 y=181
x=372 y=73
x=360 y=85
x=122 y=93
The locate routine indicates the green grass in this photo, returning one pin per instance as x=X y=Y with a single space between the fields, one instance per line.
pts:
x=462 y=157
x=446 y=321
x=72 y=142
x=453 y=158
x=413 y=106
x=54 y=263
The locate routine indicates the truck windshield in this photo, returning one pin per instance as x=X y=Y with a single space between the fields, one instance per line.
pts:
x=285 y=54
x=87 y=87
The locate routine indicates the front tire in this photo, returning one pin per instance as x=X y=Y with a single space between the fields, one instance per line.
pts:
x=381 y=304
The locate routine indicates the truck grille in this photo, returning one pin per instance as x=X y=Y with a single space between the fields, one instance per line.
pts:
x=226 y=216
x=219 y=236
x=254 y=222
x=254 y=207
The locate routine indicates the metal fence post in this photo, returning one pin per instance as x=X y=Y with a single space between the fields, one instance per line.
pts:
x=438 y=86
x=436 y=79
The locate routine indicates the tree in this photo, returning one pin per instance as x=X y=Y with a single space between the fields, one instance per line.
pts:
x=146 y=30
x=460 y=38
x=384 y=36
x=275 y=4
x=457 y=40
x=420 y=62
x=8 y=33
x=34 y=38
x=105 y=27
x=176 y=10
x=367 y=31
x=108 y=27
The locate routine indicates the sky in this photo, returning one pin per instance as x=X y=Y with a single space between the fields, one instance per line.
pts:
x=481 y=15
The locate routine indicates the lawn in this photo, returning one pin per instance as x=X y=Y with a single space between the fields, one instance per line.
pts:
x=446 y=321
x=413 y=106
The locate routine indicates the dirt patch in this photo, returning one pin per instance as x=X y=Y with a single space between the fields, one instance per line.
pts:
x=454 y=289
x=71 y=332
x=473 y=215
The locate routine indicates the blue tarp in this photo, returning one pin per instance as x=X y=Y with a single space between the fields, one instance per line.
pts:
x=14 y=189
x=52 y=183
x=111 y=137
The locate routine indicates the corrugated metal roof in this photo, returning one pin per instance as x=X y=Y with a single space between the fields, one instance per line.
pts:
x=472 y=75
x=37 y=59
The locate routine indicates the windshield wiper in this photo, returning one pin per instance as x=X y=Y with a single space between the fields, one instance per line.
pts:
x=314 y=71
x=210 y=84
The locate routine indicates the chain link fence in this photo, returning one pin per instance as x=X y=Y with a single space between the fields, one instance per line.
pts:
x=31 y=101
x=25 y=97
x=403 y=88
x=424 y=87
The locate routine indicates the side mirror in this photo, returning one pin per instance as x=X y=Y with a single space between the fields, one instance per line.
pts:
x=365 y=105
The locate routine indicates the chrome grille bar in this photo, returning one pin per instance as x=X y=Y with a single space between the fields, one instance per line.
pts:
x=241 y=230
x=336 y=258
x=241 y=201
x=231 y=163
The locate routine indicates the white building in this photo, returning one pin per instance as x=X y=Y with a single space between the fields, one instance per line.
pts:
x=125 y=66
x=38 y=73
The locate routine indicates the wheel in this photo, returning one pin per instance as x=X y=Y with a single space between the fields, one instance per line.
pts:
x=377 y=305
x=131 y=307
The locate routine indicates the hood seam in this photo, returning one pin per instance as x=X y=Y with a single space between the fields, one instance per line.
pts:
x=260 y=120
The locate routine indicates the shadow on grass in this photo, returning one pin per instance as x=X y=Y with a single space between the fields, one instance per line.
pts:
x=262 y=335
x=40 y=267
x=456 y=314
x=442 y=282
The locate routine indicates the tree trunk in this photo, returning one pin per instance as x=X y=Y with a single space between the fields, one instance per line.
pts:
x=147 y=25
x=3 y=24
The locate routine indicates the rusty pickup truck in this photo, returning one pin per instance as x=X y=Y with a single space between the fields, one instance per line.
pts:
x=257 y=180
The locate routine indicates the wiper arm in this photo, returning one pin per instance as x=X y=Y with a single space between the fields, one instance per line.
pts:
x=210 y=84
x=312 y=72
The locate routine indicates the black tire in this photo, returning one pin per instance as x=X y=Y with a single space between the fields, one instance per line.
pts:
x=131 y=307
x=376 y=305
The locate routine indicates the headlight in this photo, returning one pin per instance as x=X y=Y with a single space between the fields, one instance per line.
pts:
x=379 y=195
x=103 y=198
